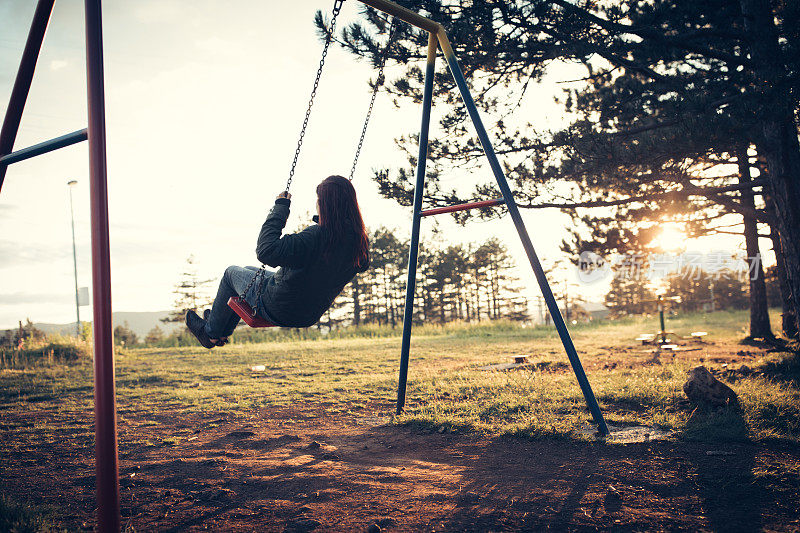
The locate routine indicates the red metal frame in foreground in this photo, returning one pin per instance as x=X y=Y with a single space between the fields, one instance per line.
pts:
x=107 y=471
x=461 y=207
x=105 y=409
x=22 y=83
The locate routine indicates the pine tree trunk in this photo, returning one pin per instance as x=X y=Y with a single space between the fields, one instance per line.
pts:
x=425 y=304
x=387 y=297
x=466 y=297
x=777 y=137
x=786 y=198
x=495 y=289
x=759 y=310
x=477 y=294
x=788 y=321
x=487 y=293
x=356 y=302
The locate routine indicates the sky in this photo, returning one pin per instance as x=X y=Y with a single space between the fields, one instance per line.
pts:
x=204 y=104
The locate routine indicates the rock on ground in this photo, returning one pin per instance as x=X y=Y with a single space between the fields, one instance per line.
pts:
x=703 y=388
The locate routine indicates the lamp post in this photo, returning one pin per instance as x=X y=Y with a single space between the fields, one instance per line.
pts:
x=72 y=184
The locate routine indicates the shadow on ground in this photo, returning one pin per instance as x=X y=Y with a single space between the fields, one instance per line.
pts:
x=277 y=471
x=312 y=478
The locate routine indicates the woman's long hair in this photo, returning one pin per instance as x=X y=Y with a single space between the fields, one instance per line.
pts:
x=339 y=215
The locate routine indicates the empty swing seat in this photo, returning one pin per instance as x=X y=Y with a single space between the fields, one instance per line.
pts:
x=246 y=313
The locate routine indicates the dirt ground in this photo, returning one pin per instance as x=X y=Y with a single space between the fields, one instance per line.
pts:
x=299 y=469
x=327 y=467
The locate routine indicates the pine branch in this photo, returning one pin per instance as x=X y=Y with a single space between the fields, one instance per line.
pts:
x=687 y=188
x=680 y=42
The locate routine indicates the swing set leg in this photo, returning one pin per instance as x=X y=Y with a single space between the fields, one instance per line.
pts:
x=516 y=217
x=408 y=311
x=513 y=210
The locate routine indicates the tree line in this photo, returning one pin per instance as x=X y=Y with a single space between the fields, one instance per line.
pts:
x=468 y=282
x=701 y=291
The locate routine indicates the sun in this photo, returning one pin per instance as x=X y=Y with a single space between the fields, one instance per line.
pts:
x=670 y=238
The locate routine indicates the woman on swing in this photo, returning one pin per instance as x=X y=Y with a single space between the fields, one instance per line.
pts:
x=315 y=265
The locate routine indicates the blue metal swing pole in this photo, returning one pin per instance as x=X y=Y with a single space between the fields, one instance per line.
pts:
x=44 y=147
x=513 y=210
x=408 y=311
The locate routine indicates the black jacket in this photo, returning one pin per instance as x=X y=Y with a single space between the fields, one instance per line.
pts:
x=308 y=280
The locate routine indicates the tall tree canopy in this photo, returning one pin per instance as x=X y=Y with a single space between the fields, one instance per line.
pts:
x=673 y=92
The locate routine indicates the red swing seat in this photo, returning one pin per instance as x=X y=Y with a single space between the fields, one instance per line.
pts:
x=246 y=313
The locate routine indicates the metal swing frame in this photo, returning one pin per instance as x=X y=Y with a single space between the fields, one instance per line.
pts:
x=437 y=37
x=107 y=472
x=106 y=457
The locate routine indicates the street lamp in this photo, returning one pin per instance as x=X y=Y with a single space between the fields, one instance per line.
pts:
x=72 y=184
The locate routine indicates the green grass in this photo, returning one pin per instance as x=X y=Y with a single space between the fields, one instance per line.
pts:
x=45 y=353
x=447 y=391
x=18 y=518
x=243 y=335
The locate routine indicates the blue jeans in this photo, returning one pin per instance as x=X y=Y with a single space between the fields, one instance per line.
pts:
x=222 y=320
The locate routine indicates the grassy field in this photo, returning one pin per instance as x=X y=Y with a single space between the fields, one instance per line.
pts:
x=447 y=390
x=181 y=409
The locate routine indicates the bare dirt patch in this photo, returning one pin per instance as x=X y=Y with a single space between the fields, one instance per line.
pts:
x=299 y=469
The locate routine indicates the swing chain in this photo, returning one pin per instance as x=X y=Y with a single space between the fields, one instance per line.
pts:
x=378 y=83
x=337 y=7
x=259 y=273
x=263 y=273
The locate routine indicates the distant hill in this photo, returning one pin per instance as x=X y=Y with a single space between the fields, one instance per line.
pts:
x=139 y=322
x=143 y=322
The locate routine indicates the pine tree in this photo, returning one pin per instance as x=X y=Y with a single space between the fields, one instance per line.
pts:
x=191 y=293
x=703 y=291
x=387 y=256
x=124 y=336
x=154 y=336
x=630 y=293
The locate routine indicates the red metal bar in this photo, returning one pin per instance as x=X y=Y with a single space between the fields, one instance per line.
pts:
x=22 y=84
x=104 y=394
x=462 y=207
